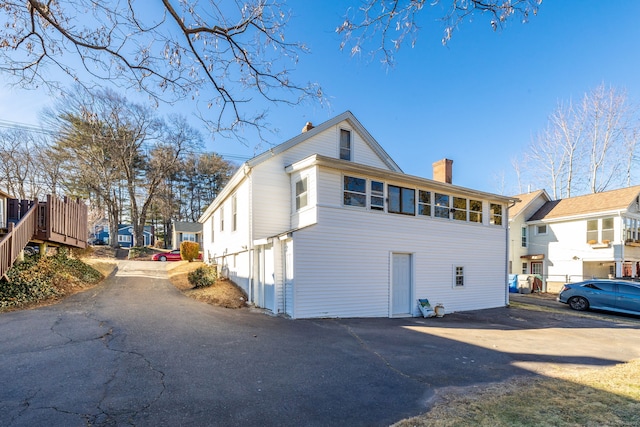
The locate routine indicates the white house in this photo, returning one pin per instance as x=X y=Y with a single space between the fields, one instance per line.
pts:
x=186 y=232
x=521 y=261
x=327 y=225
x=596 y=235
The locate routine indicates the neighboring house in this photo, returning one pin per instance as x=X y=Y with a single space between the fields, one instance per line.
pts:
x=596 y=235
x=186 y=232
x=125 y=235
x=100 y=232
x=327 y=225
x=521 y=261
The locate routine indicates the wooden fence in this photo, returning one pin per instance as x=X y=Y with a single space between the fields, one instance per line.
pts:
x=58 y=221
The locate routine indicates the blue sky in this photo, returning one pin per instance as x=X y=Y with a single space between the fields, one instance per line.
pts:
x=477 y=101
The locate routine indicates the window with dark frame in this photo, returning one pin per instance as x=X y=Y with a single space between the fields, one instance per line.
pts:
x=345 y=144
x=401 y=200
x=355 y=191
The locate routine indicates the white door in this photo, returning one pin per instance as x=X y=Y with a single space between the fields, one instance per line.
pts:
x=401 y=280
x=269 y=279
x=288 y=277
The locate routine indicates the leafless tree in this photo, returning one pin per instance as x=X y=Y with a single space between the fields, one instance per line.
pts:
x=587 y=147
x=107 y=140
x=21 y=171
x=222 y=53
x=386 y=25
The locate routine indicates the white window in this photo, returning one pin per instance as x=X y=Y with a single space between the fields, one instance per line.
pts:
x=234 y=213
x=541 y=229
x=459 y=276
x=496 y=214
x=424 y=203
x=124 y=238
x=607 y=230
x=345 y=144
x=459 y=209
x=475 y=211
x=592 y=231
x=524 y=268
x=442 y=207
x=355 y=191
x=523 y=234
x=301 y=193
x=222 y=218
x=188 y=237
x=376 y=200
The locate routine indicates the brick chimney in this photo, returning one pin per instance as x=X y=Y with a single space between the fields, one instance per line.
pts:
x=307 y=127
x=443 y=171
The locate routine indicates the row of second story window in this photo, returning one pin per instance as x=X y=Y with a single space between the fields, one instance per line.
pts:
x=600 y=230
x=360 y=192
x=631 y=229
x=221 y=219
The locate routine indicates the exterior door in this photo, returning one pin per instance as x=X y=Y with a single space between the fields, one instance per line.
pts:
x=266 y=279
x=401 y=285
x=536 y=268
x=288 y=277
x=269 y=279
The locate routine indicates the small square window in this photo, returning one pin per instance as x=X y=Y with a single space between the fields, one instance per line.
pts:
x=541 y=229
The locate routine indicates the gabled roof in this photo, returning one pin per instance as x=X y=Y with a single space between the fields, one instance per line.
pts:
x=349 y=117
x=187 y=227
x=608 y=201
x=244 y=169
x=525 y=200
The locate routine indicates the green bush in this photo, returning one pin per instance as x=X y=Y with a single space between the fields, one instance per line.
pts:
x=202 y=277
x=189 y=250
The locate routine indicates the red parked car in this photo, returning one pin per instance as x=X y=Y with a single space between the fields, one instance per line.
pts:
x=174 y=255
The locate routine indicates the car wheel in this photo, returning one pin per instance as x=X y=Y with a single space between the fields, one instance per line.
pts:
x=163 y=258
x=579 y=303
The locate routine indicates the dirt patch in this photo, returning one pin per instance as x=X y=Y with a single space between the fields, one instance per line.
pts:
x=223 y=293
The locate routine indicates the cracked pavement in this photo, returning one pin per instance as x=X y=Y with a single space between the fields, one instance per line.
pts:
x=135 y=351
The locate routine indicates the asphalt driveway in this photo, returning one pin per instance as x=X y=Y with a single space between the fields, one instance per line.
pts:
x=134 y=351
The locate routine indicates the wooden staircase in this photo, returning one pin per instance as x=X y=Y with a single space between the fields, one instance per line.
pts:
x=61 y=222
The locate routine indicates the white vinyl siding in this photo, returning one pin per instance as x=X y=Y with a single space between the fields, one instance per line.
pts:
x=335 y=286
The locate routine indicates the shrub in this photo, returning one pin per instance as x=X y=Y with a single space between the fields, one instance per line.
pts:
x=40 y=279
x=189 y=250
x=202 y=277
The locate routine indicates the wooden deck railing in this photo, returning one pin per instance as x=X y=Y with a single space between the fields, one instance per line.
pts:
x=59 y=221
x=17 y=238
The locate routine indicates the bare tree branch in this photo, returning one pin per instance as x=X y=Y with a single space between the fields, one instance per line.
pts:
x=385 y=25
x=221 y=54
